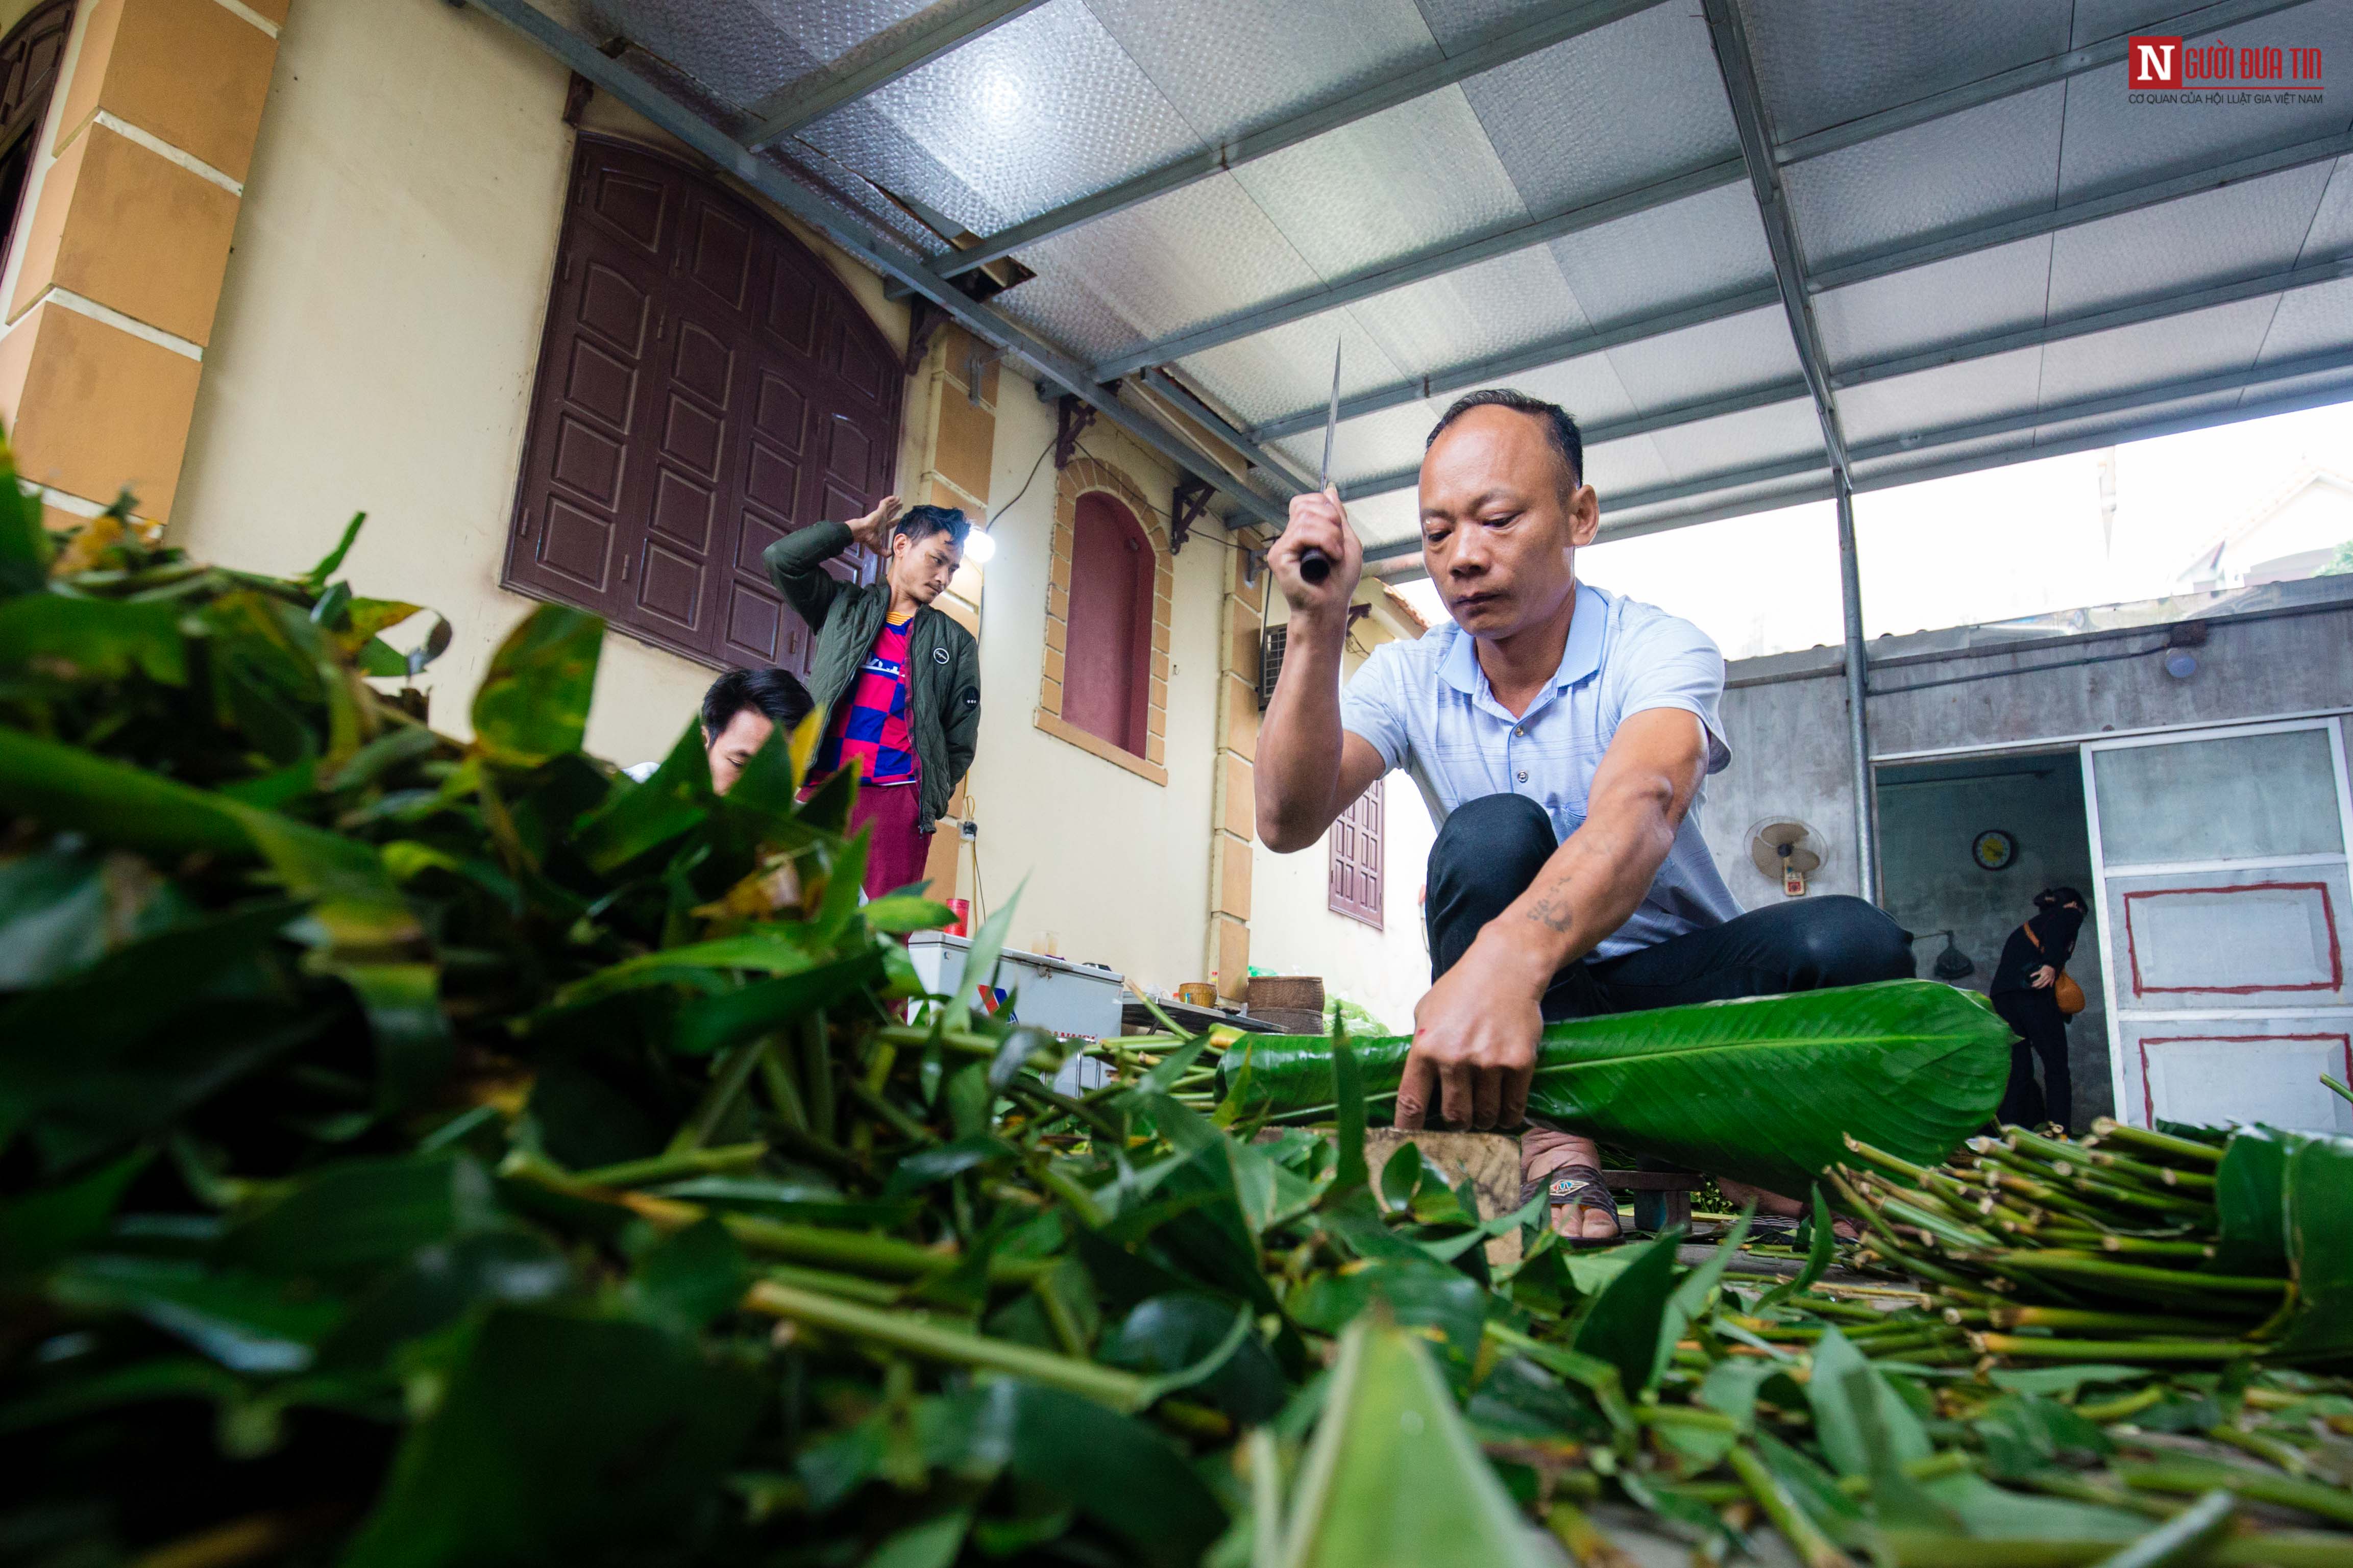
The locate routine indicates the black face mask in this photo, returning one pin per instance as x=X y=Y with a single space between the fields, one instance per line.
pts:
x=2057 y=928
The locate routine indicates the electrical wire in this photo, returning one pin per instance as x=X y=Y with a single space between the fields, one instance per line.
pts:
x=1024 y=491
x=980 y=893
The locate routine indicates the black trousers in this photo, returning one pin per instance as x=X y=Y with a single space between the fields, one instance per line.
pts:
x=1491 y=849
x=2041 y=1032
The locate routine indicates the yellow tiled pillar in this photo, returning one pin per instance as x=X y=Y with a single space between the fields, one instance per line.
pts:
x=959 y=442
x=1234 y=822
x=121 y=255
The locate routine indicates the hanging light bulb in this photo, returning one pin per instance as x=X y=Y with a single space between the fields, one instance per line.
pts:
x=978 y=547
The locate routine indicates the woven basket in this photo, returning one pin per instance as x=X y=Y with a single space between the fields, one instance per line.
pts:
x=1296 y=992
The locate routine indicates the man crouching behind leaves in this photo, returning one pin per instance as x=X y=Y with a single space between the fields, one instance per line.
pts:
x=897 y=680
x=1559 y=735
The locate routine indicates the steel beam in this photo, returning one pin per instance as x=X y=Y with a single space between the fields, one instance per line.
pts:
x=2083 y=323
x=2112 y=403
x=1624 y=429
x=1711 y=484
x=789 y=109
x=1710 y=508
x=1533 y=356
x=857 y=240
x=1865 y=269
x=1499 y=47
x=1436 y=262
x=1858 y=697
x=1888 y=260
x=2331 y=392
x=2035 y=74
x=1714 y=506
x=1729 y=35
x=1927 y=444
x=1166 y=386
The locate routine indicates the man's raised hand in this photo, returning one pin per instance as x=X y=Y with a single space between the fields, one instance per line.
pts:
x=873 y=530
x=1317 y=522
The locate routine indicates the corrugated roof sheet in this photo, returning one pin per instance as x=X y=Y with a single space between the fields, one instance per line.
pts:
x=2002 y=253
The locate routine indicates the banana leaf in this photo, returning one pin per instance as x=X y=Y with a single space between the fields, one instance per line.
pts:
x=1394 y=1476
x=1759 y=1089
x=2318 y=1214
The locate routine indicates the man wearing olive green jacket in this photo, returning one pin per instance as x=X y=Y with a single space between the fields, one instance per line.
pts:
x=898 y=681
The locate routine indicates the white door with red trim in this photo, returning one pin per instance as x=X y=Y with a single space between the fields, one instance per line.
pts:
x=2220 y=858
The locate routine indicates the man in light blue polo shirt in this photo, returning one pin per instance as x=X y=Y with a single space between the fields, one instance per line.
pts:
x=1560 y=735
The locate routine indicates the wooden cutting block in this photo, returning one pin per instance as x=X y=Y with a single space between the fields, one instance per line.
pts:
x=1492 y=1161
x=1303 y=992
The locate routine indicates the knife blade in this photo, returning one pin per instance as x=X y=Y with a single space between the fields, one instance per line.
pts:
x=1314 y=564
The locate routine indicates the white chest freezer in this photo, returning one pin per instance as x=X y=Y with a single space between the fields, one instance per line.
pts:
x=1072 y=1000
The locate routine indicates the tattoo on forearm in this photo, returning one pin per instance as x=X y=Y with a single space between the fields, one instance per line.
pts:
x=1553 y=914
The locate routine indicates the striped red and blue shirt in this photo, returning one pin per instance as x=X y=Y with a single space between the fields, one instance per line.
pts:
x=871 y=726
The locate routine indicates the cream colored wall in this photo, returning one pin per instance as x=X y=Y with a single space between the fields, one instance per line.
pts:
x=379 y=331
x=1118 y=866
x=1293 y=927
x=380 y=327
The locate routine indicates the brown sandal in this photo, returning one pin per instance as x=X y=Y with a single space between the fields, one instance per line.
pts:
x=1576 y=1186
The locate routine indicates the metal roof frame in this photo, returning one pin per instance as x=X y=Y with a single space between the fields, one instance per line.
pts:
x=1861 y=270
x=2173 y=302
x=1533 y=356
x=1378 y=556
x=2082 y=323
x=2333 y=360
x=856 y=240
x=1499 y=46
x=2020 y=78
x=1763 y=397
x=1457 y=255
x=789 y=107
x=2133 y=198
x=1189 y=403
x=1422 y=266
x=1796 y=282
x=1555 y=351
x=1931 y=442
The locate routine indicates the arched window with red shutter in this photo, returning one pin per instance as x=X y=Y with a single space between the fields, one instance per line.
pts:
x=1108 y=662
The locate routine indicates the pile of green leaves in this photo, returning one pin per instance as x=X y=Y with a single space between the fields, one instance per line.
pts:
x=424 y=1153
x=2180 y=1245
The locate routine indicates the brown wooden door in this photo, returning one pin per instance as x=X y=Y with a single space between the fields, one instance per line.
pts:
x=1356 y=846
x=29 y=57
x=706 y=385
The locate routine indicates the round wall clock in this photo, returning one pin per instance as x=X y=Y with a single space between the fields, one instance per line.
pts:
x=1993 y=849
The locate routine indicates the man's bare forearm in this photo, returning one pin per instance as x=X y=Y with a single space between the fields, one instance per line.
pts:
x=1593 y=882
x=1598 y=878
x=1298 y=771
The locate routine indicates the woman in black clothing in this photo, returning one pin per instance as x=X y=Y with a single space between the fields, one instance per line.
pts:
x=2025 y=992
